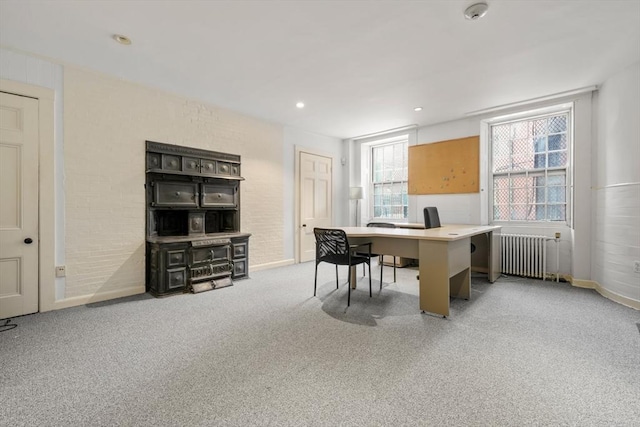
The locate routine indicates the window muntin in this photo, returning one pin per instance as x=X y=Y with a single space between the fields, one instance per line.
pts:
x=530 y=159
x=389 y=180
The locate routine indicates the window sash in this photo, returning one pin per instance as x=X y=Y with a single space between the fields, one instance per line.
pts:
x=389 y=180
x=524 y=186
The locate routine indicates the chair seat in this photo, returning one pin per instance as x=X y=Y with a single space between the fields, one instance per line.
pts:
x=339 y=259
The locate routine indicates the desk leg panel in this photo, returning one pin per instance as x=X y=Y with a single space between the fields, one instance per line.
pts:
x=434 y=277
x=495 y=255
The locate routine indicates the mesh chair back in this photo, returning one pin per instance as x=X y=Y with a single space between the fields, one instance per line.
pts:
x=331 y=245
x=431 y=218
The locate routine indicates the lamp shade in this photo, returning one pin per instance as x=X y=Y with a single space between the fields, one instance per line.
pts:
x=356 y=193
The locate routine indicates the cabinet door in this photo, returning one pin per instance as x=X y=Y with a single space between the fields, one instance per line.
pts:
x=176 y=278
x=176 y=257
x=175 y=194
x=239 y=249
x=239 y=268
x=221 y=196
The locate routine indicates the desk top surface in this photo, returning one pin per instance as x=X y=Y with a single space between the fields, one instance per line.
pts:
x=448 y=232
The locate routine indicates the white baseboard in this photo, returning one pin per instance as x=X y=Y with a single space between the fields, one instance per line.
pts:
x=98 y=297
x=269 y=265
x=591 y=284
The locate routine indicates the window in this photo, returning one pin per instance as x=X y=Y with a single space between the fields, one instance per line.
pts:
x=389 y=179
x=530 y=159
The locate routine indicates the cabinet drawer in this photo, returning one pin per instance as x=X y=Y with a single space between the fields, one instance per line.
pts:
x=208 y=167
x=153 y=161
x=176 y=258
x=224 y=196
x=235 y=169
x=209 y=254
x=191 y=165
x=180 y=194
x=224 y=168
x=176 y=278
x=171 y=163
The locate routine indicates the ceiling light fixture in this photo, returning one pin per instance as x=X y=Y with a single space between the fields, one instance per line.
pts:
x=417 y=109
x=476 y=11
x=122 y=39
x=300 y=104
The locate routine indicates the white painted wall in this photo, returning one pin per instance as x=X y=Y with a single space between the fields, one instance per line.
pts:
x=616 y=186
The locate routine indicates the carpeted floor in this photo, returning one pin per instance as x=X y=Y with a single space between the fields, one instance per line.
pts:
x=266 y=352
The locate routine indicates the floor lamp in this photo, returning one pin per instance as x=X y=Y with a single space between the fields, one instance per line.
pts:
x=357 y=194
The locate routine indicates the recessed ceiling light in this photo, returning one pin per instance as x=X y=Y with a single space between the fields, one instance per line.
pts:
x=417 y=109
x=300 y=104
x=122 y=39
x=476 y=11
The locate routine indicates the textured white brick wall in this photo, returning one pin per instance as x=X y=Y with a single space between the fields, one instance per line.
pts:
x=106 y=124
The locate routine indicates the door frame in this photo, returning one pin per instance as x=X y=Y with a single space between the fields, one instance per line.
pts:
x=297 y=221
x=46 y=186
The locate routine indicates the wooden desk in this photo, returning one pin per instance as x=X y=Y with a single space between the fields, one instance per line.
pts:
x=444 y=254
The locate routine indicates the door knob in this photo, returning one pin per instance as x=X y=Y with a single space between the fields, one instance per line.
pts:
x=28 y=240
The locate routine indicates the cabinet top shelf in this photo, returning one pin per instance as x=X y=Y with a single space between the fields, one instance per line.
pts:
x=204 y=175
x=178 y=239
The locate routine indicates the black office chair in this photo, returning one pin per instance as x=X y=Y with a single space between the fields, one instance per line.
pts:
x=332 y=246
x=385 y=225
x=431 y=218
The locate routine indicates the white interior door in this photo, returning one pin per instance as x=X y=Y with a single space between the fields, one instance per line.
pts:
x=19 y=207
x=315 y=200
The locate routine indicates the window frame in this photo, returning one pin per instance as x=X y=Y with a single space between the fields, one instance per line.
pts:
x=568 y=109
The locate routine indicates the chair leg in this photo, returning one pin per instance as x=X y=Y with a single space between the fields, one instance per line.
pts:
x=370 y=294
x=363 y=272
x=381 y=266
x=336 y=276
x=315 y=282
x=394 y=269
x=349 y=286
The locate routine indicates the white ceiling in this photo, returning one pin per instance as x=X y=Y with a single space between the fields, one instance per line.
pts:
x=360 y=66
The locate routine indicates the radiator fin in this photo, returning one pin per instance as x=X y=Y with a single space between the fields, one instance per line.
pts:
x=524 y=255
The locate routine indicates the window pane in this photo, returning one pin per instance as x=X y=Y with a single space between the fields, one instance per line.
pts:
x=557 y=142
x=501 y=196
x=519 y=212
x=556 y=194
x=555 y=180
x=540 y=161
x=556 y=212
x=540 y=127
x=558 y=124
x=558 y=159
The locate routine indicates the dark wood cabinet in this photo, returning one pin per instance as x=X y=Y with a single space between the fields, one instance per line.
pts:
x=193 y=219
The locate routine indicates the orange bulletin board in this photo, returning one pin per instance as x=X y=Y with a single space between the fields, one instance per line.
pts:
x=446 y=167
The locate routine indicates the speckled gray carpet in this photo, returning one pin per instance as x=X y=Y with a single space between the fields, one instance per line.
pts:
x=265 y=352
